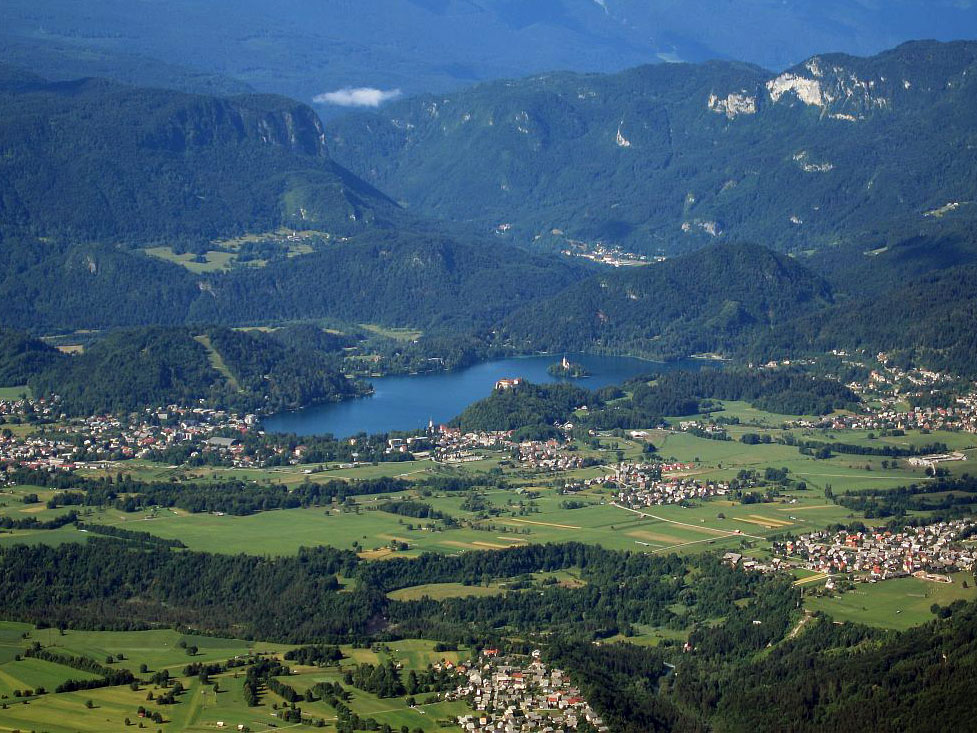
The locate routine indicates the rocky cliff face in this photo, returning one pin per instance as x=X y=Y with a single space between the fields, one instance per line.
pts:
x=849 y=88
x=98 y=160
x=200 y=122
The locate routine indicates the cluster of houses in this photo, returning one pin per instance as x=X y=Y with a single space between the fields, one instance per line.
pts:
x=643 y=484
x=515 y=694
x=38 y=453
x=98 y=438
x=606 y=254
x=887 y=386
x=885 y=392
x=669 y=491
x=23 y=408
x=697 y=426
x=549 y=455
x=751 y=564
x=962 y=417
x=453 y=446
x=883 y=554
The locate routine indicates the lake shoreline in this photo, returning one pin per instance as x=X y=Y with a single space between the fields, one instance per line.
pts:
x=411 y=402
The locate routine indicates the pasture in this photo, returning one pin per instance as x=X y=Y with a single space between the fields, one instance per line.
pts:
x=209 y=261
x=199 y=707
x=15 y=393
x=893 y=604
x=530 y=512
x=397 y=334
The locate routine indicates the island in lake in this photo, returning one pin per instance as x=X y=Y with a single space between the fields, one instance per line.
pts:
x=567 y=369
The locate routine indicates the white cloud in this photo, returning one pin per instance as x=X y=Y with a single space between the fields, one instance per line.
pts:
x=358 y=97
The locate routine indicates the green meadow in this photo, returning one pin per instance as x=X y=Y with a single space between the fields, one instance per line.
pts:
x=531 y=512
x=199 y=707
x=893 y=604
x=397 y=334
x=14 y=393
x=209 y=261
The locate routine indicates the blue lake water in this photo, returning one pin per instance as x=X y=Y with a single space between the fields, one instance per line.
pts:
x=409 y=402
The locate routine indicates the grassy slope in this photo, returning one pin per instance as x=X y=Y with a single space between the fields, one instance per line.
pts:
x=894 y=604
x=199 y=708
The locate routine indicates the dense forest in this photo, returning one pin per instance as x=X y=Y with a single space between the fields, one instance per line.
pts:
x=704 y=302
x=22 y=356
x=668 y=157
x=832 y=677
x=134 y=368
x=927 y=320
x=209 y=591
x=418 y=277
x=525 y=405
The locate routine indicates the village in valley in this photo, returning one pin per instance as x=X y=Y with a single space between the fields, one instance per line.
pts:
x=765 y=493
x=514 y=694
x=930 y=551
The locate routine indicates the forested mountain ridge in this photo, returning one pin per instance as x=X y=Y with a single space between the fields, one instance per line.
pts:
x=706 y=301
x=669 y=157
x=133 y=368
x=930 y=320
x=409 y=277
x=22 y=356
x=97 y=174
x=915 y=302
x=92 y=159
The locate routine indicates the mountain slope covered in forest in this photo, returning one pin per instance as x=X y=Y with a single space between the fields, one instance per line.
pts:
x=667 y=158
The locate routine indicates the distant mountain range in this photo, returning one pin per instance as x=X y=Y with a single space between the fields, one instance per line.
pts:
x=95 y=173
x=127 y=206
x=302 y=48
x=666 y=158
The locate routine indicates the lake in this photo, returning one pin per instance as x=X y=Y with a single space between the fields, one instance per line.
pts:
x=409 y=402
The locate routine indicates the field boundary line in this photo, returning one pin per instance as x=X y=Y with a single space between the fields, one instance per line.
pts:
x=693 y=526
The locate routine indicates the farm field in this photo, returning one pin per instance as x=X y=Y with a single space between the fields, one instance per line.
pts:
x=515 y=518
x=282 y=532
x=651 y=636
x=12 y=504
x=289 y=476
x=213 y=260
x=397 y=334
x=749 y=415
x=199 y=707
x=893 y=604
x=157 y=649
x=35 y=674
x=440 y=591
x=14 y=393
x=51 y=537
x=520 y=520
